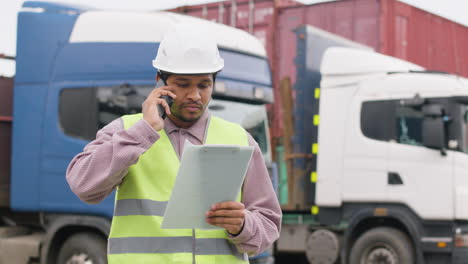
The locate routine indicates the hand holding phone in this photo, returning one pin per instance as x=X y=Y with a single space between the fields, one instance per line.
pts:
x=161 y=110
x=157 y=105
x=167 y=98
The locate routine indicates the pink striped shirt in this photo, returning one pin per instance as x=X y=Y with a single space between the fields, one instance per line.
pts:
x=94 y=173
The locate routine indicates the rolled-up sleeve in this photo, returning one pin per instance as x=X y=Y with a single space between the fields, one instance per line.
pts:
x=262 y=222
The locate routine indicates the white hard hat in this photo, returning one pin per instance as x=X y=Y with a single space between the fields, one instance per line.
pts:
x=188 y=50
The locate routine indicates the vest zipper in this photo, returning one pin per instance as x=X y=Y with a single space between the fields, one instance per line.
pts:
x=193 y=246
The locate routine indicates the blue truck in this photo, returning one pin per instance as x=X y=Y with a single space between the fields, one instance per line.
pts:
x=77 y=69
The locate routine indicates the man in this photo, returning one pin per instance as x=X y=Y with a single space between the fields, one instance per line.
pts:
x=139 y=155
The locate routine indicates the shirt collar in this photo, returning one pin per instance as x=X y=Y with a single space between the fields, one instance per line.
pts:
x=197 y=130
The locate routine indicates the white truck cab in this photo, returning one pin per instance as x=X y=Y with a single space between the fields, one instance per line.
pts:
x=381 y=124
x=389 y=166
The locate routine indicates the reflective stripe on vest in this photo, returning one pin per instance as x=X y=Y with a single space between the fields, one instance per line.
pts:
x=204 y=246
x=139 y=207
x=141 y=199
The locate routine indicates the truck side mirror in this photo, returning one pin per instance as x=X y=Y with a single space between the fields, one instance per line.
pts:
x=433 y=133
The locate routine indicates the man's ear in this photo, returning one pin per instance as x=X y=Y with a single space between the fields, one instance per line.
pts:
x=157 y=77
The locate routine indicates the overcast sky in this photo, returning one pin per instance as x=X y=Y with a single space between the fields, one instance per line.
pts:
x=456 y=10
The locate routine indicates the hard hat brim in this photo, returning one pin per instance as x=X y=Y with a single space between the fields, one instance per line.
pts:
x=181 y=70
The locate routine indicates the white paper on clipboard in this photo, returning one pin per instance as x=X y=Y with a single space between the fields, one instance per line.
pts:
x=208 y=174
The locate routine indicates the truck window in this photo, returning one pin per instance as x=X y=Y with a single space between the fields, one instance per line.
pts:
x=409 y=126
x=387 y=120
x=83 y=111
x=253 y=68
x=377 y=120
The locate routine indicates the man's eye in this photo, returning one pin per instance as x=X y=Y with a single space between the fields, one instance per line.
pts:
x=183 y=85
x=203 y=86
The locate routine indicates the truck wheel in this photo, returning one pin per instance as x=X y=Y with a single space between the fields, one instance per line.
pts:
x=383 y=245
x=83 y=248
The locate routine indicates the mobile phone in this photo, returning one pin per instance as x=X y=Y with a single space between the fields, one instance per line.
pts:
x=169 y=100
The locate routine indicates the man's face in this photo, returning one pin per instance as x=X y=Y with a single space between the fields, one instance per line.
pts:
x=193 y=95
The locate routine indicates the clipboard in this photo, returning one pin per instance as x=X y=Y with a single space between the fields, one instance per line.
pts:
x=208 y=174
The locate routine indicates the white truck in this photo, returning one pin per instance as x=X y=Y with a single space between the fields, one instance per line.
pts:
x=386 y=180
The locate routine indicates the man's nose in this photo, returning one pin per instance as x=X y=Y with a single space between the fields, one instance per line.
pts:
x=194 y=94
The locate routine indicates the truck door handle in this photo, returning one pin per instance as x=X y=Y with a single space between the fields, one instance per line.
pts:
x=394 y=178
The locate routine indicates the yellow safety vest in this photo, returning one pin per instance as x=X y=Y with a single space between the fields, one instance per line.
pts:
x=141 y=199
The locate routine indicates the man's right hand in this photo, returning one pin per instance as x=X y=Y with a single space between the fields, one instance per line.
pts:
x=150 y=107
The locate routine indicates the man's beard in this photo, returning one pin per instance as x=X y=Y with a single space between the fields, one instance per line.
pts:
x=188 y=120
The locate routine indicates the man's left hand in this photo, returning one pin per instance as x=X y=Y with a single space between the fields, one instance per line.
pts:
x=229 y=215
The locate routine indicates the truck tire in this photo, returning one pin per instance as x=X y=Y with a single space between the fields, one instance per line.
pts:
x=83 y=248
x=382 y=245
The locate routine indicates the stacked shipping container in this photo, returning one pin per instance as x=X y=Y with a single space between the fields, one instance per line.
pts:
x=388 y=26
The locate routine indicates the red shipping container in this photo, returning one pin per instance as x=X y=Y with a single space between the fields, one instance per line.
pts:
x=388 y=26
x=256 y=17
x=253 y=16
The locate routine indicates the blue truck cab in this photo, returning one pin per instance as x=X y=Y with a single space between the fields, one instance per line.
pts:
x=77 y=69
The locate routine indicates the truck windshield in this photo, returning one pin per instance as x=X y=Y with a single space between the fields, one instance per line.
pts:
x=245 y=67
